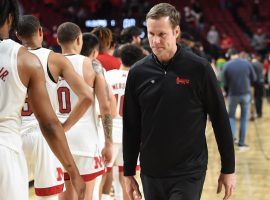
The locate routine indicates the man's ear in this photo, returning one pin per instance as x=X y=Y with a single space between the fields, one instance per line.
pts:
x=40 y=31
x=10 y=19
x=177 y=31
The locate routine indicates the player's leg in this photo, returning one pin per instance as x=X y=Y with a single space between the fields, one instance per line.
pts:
x=96 y=195
x=69 y=193
x=119 y=162
x=48 y=175
x=107 y=178
x=89 y=168
x=106 y=184
x=89 y=189
x=118 y=193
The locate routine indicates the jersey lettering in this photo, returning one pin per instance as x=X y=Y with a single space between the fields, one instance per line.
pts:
x=64 y=100
x=60 y=174
x=119 y=102
x=3 y=73
x=98 y=162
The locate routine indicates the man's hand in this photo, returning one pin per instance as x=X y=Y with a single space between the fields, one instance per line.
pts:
x=229 y=182
x=132 y=188
x=78 y=185
x=107 y=152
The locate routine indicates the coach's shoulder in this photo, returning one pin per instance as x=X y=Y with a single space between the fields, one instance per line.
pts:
x=194 y=58
x=141 y=64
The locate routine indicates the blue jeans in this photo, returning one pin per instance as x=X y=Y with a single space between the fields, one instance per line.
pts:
x=244 y=101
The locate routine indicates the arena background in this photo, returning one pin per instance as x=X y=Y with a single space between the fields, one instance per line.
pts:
x=236 y=22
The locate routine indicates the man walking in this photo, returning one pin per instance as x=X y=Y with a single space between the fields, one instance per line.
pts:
x=168 y=96
x=238 y=75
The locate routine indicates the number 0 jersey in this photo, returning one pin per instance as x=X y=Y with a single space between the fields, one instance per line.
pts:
x=28 y=118
x=12 y=95
x=117 y=80
x=83 y=136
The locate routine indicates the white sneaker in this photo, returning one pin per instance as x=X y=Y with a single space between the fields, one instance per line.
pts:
x=243 y=147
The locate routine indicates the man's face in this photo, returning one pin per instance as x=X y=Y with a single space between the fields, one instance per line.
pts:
x=162 y=37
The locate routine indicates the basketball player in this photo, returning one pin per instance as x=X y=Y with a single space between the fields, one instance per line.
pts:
x=21 y=72
x=83 y=137
x=129 y=54
x=102 y=189
x=47 y=171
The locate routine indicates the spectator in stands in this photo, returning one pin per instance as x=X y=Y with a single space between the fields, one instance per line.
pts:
x=226 y=42
x=238 y=75
x=196 y=7
x=222 y=4
x=258 y=84
x=213 y=36
x=258 y=42
x=256 y=10
x=105 y=38
x=191 y=16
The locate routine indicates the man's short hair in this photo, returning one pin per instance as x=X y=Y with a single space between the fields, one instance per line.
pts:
x=164 y=10
x=9 y=7
x=130 y=54
x=28 y=25
x=104 y=36
x=68 y=32
x=231 y=52
x=90 y=42
x=128 y=33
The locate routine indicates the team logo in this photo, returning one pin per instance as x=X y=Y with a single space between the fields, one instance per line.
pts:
x=60 y=173
x=182 y=81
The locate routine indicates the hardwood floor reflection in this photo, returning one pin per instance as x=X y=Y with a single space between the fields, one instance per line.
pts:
x=252 y=166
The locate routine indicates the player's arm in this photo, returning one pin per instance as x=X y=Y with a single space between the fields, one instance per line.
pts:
x=77 y=84
x=32 y=76
x=102 y=93
x=113 y=103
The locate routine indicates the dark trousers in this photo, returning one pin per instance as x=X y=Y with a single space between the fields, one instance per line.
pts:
x=258 y=97
x=188 y=187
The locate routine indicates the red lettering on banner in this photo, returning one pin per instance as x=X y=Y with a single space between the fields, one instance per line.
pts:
x=60 y=174
x=3 y=73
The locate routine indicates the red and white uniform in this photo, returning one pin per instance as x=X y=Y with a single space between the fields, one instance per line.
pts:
x=42 y=163
x=13 y=169
x=82 y=138
x=117 y=80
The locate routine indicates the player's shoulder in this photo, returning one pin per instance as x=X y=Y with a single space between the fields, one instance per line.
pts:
x=27 y=59
x=113 y=74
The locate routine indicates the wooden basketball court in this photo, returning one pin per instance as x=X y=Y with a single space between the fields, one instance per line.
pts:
x=252 y=166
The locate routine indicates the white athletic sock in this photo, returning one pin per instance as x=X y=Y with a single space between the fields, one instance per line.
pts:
x=105 y=197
